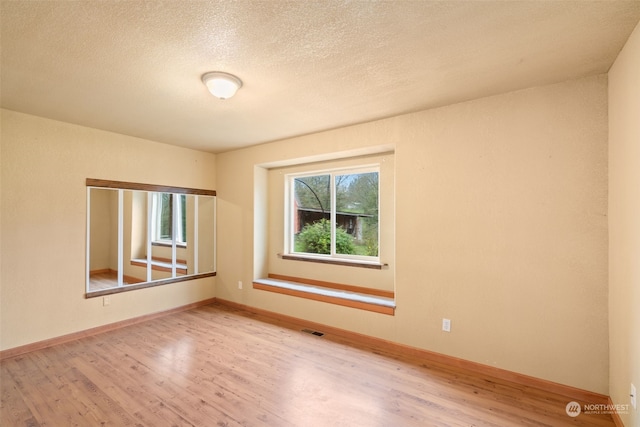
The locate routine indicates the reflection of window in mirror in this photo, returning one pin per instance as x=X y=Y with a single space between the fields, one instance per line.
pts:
x=138 y=236
x=163 y=216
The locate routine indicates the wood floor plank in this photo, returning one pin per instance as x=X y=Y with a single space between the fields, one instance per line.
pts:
x=145 y=408
x=14 y=407
x=220 y=366
x=165 y=366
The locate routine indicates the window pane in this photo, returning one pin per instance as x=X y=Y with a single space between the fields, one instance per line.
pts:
x=181 y=237
x=166 y=219
x=357 y=214
x=311 y=214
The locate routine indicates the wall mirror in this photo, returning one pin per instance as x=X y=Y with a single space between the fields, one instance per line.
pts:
x=142 y=235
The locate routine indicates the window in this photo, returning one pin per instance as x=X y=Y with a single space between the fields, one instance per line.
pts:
x=334 y=213
x=163 y=218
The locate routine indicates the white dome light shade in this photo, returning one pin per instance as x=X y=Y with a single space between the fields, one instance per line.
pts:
x=221 y=85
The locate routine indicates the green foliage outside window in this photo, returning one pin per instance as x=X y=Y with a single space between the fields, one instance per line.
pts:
x=356 y=213
x=316 y=239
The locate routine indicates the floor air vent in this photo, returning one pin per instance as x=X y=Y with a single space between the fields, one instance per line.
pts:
x=309 y=331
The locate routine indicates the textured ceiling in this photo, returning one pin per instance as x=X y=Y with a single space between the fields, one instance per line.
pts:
x=134 y=67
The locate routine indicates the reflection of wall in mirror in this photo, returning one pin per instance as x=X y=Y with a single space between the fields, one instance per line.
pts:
x=135 y=239
x=138 y=224
x=134 y=219
x=104 y=235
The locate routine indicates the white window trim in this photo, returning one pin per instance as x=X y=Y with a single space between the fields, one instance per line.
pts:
x=156 y=212
x=289 y=216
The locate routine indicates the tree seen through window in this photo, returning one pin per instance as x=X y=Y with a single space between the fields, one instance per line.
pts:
x=351 y=199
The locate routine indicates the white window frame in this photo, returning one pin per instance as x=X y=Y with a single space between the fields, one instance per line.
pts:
x=176 y=226
x=289 y=237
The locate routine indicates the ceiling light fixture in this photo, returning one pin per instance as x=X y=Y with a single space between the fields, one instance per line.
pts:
x=221 y=85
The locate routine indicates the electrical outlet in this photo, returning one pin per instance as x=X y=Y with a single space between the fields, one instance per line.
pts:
x=446 y=325
x=239 y=284
x=106 y=300
x=634 y=396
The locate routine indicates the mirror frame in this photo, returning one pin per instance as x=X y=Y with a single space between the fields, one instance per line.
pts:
x=123 y=185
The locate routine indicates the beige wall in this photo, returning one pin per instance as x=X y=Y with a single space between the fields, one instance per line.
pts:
x=501 y=226
x=624 y=225
x=44 y=167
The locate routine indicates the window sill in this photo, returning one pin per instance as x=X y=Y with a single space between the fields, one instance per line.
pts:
x=334 y=261
x=169 y=244
x=375 y=300
x=162 y=264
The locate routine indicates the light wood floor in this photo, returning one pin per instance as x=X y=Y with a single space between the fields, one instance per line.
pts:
x=218 y=366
